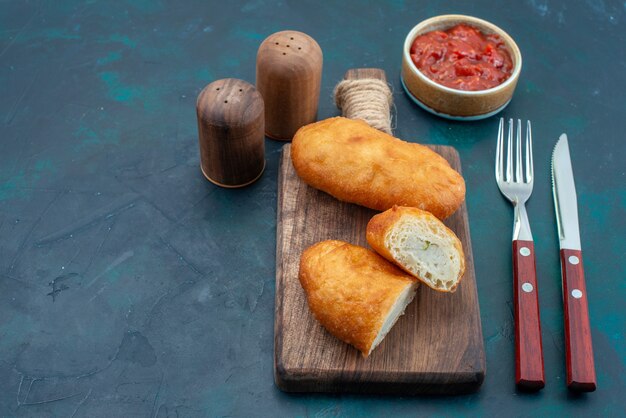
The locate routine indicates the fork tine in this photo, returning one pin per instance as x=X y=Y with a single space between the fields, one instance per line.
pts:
x=529 y=153
x=499 y=151
x=509 y=151
x=518 y=153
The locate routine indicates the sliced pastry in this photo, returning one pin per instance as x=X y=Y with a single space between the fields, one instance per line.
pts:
x=353 y=292
x=420 y=244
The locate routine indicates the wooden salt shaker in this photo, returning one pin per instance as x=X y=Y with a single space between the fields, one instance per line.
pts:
x=230 y=129
x=288 y=75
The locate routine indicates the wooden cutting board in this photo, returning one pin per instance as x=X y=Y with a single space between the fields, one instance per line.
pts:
x=435 y=348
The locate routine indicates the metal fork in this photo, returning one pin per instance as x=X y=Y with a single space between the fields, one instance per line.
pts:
x=516 y=184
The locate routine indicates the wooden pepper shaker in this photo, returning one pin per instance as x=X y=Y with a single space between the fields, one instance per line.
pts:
x=230 y=130
x=288 y=75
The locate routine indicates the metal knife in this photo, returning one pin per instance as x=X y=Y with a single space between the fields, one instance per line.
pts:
x=581 y=375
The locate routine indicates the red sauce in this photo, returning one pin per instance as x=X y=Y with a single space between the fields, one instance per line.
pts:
x=462 y=58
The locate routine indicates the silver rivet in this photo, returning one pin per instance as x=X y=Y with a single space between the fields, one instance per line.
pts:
x=573 y=259
x=527 y=287
x=524 y=251
x=577 y=293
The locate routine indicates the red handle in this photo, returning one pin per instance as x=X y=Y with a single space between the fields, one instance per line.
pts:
x=529 y=372
x=581 y=373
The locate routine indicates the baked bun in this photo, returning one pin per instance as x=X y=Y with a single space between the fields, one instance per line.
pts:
x=356 y=163
x=353 y=292
x=420 y=244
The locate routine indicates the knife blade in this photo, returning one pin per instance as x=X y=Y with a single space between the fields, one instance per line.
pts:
x=565 y=198
x=579 y=361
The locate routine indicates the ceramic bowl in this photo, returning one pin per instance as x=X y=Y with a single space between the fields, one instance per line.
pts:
x=452 y=103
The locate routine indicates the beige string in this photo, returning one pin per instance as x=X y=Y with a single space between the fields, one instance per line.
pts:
x=368 y=99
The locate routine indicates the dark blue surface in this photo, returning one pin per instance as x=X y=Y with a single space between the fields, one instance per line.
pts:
x=130 y=286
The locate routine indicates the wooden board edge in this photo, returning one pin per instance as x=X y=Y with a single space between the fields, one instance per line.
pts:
x=482 y=369
x=401 y=383
x=470 y=256
x=365 y=73
x=278 y=297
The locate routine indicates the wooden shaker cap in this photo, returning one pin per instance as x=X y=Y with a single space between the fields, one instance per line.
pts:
x=231 y=132
x=288 y=75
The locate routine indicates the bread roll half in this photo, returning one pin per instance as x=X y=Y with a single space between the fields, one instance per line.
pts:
x=356 y=163
x=353 y=292
x=420 y=244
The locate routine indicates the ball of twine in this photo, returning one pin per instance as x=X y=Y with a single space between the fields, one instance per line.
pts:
x=369 y=99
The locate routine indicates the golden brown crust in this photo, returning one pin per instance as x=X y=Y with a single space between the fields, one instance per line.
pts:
x=350 y=290
x=379 y=226
x=356 y=163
